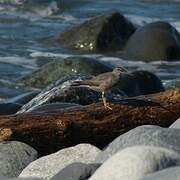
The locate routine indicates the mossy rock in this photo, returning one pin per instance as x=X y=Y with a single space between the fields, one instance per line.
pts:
x=101 y=33
x=59 y=68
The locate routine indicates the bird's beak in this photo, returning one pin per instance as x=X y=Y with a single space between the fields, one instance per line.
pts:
x=125 y=72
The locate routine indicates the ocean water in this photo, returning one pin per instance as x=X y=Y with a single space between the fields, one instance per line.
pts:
x=27 y=28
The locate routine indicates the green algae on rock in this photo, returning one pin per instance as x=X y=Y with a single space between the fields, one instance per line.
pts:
x=101 y=33
x=59 y=68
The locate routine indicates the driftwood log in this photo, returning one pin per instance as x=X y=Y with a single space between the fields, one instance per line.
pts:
x=51 y=131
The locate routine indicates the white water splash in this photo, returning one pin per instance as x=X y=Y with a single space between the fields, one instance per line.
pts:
x=36 y=54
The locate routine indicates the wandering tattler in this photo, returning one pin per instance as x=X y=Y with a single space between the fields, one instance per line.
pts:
x=103 y=82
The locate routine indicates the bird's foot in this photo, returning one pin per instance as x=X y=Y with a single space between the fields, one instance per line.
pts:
x=107 y=106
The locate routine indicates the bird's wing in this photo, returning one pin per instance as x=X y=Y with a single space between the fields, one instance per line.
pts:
x=84 y=83
x=109 y=81
x=104 y=80
x=95 y=81
x=102 y=77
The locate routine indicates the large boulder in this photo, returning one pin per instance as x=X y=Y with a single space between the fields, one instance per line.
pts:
x=176 y=124
x=155 y=41
x=143 y=135
x=165 y=174
x=59 y=68
x=47 y=166
x=76 y=171
x=148 y=82
x=14 y=157
x=101 y=33
x=133 y=163
x=129 y=85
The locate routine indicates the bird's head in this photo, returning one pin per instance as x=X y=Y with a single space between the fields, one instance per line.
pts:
x=120 y=70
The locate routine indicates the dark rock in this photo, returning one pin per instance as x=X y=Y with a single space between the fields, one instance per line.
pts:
x=172 y=173
x=59 y=68
x=143 y=135
x=148 y=82
x=76 y=171
x=14 y=157
x=129 y=85
x=154 y=41
x=101 y=33
x=62 y=91
x=135 y=162
x=176 y=124
x=9 y=108
x=55 y=107
x=48 y=166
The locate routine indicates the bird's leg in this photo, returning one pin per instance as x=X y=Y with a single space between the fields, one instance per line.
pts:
x=104 y=101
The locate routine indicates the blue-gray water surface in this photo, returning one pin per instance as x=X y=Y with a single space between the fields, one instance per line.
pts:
x=27 y=28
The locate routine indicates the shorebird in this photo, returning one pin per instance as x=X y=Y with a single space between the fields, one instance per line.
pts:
x=103 y=82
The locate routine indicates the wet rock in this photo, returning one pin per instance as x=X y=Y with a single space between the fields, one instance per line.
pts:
x=55 y=107
x=59 y=68
x=9 y=108
x=76 y=171
x=62 y=91
x=101 y=33
x=133 y=163
x=148 y=82
x=14 y=157
x=129 y=85
x=155 y=41
x=143 y=135
x=176 y=124
x=165 y=174
x=48 y=166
